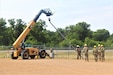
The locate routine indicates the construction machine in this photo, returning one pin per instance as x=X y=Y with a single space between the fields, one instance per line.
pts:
x=19 y=46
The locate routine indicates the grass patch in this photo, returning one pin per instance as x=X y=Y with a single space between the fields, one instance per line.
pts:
x=73 y=55
x=66 y=55
x=3 y=54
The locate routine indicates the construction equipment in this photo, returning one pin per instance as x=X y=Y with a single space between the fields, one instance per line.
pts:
x=20 y=49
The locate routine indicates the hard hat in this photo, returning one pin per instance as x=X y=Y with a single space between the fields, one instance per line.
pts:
x=85 y=44
x=94 y=45
x=101 y=45
x=78 y=46
x=98 y=44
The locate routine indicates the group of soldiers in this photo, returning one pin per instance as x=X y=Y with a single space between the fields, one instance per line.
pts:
x=98 y=52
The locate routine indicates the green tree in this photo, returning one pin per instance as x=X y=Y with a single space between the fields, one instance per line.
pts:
x=90 y=42
x=19 y=27
x=3 y=32
x=51 y=38
x=77 y=33
x=83 y=31
x=37 y=34
x=109 y=41
x=11 y=30
x=71 y=32
x=15 y=29
x=101 y=35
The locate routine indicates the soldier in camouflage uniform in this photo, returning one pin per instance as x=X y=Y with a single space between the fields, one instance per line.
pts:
x=102 y=53
x=78 y=52
x=85 y=51
x=95 y=53
x=99 y=52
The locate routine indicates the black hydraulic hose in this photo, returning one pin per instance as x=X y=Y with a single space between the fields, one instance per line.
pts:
x=57 y=29
x=61 y=34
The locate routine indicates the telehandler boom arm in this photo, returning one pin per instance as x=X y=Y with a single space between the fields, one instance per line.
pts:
x=16 y=44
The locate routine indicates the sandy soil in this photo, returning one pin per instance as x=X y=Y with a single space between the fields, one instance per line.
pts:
x=54 y=67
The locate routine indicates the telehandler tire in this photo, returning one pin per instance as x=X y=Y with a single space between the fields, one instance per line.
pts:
x=25 y=54
x=12 y=56
x=42 y=54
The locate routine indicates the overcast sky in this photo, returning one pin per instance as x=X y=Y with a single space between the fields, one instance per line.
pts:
x=97 y=13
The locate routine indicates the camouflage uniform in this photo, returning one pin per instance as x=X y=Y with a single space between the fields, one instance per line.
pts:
x=85 y=51
x=102 y=53
x=99 y=52
x=78 y=52
x=95 y=53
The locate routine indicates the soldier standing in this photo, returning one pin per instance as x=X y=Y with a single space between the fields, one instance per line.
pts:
x=99 y=52
x=85 y=51
x=102 y=53
x=78 y=52
x=51 y=53
x=95 y=53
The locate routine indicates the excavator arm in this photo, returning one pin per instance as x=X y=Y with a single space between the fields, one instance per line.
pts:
x=16 y=44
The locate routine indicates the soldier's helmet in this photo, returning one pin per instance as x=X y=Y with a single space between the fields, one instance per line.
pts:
x=94 y=46
x=78 y=46
x=98 y=45
x=101 y=45
x=85 y=44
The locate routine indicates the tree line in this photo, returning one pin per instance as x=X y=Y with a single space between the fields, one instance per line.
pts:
x=77 y=34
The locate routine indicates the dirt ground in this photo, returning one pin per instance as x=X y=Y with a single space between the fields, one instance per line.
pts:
x=54 y=67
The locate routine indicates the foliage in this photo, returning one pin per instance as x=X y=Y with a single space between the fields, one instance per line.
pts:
x=91 y=42
x=101 y=35
x=77 y=34
x=3 y=38
x=109 y=41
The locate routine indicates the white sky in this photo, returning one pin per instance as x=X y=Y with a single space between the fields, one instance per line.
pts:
x=97 y=13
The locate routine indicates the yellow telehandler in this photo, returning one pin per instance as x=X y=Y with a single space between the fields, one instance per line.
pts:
x=26 y=52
